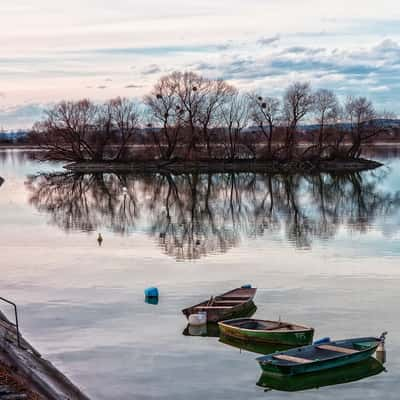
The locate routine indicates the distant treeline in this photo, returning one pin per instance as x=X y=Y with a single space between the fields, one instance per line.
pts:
x=20 y=137
x=189 y=117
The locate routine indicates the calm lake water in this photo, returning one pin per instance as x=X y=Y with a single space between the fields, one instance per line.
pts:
x=322 y=250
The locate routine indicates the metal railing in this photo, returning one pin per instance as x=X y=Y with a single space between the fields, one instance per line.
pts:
x=16 y=318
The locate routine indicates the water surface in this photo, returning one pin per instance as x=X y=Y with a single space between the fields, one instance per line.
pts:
x=323 y=250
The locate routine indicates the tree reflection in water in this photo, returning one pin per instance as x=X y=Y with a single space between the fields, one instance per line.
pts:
x=192 y=215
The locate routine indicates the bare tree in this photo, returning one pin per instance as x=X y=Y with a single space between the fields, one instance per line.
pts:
x=298 y=101
x=217 y=93
x=190 y=90
x=187 y=104
x=361 y=113
x=327 y=109
x=126 y=118
x=234 y=117
x=68 y=130
x=81 y=130
x=166 y=116
x=265 y=112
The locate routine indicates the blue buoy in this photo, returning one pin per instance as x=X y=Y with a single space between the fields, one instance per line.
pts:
x=322 y=340
x=247 y=286
x=151 y=292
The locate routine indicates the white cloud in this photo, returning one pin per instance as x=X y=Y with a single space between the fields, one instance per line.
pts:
x=151 y=69
x=381 y=88
x=16 y=117
x=265 y=41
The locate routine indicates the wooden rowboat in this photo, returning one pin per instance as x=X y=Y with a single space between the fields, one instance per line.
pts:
x=234 y=303
x=263 y=331
x=320 y=356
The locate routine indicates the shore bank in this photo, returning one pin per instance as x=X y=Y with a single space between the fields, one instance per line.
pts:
x=29 y=374
x=216 y=166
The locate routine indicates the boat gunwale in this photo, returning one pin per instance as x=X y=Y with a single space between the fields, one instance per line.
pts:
x=269 y=357
x=245 y=300
x=303 y=327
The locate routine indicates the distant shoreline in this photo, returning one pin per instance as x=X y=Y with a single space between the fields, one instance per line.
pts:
x=220 y=166
x=301 y=144
x=223 y=166
x=20 y=147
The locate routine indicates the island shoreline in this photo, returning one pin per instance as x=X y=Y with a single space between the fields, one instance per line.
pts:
x=223 y=166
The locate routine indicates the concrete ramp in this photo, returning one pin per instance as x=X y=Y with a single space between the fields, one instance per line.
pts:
x=38 y=374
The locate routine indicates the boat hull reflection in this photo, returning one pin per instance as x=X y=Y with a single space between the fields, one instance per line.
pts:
x=254 y=347
x=211 y=329
x=334 y=376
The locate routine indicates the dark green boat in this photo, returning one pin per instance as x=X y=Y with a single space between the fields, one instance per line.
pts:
x=334 y=376
x=320 y=357
x=262 y=331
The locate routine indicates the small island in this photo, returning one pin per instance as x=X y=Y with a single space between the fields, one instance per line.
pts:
x=192 y=123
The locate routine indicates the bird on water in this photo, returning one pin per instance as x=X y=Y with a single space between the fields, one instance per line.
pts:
x=99 y=239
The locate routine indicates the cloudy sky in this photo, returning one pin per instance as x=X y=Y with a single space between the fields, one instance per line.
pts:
x=100 y=49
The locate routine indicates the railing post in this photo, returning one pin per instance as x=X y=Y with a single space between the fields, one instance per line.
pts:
x=16 y=319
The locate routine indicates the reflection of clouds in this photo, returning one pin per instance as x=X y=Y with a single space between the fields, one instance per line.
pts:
x=193 y=215
x=391 y=227
x=16 y=157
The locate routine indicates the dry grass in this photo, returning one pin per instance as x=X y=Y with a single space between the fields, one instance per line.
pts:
x=10 y=379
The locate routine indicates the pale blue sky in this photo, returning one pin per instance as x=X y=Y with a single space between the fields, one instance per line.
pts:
x=100 y=49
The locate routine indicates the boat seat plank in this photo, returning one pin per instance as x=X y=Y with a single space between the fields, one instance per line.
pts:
x=337 y=349
x=228 y=301
x=275 y=327
x=201 y=307
x=297 y=360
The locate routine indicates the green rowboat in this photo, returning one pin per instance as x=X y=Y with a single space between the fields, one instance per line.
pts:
x=262 y=331
x=320 y=357
x=334 y=376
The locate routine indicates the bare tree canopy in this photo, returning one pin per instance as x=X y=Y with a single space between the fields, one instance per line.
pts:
x=81 y=130
x=298 y=101
x=234 y=118
x=193 y=118
x=327 y=111
x=360 y=113
x=265 y=113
